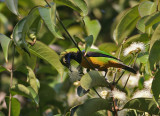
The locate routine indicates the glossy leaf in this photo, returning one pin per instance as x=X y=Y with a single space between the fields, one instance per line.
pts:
x=91 y=106
x=93 y=79
x=5 y=42
x=126 y=24
x=12 y=6
x=155 y=85
x=78 y=5
x=143 y=104
x=46 y=13
x=2 y=68
x=15 y=106
x=147 y=8
x=41 y=50
x=155 y=36
x=93 y=27
x=32 y=80
x=152 y=19
x=25 y=91
x=89 y=41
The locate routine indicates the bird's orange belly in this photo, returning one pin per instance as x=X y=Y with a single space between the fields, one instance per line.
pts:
x=100 y=65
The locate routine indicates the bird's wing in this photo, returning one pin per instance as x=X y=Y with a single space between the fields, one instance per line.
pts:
x=99 y=53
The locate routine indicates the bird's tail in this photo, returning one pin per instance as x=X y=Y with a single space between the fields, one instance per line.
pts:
x=130 y=69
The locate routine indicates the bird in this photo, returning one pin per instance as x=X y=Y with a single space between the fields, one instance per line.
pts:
x=92 y=59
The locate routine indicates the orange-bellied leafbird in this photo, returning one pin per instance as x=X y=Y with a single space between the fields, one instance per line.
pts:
x=97 y=59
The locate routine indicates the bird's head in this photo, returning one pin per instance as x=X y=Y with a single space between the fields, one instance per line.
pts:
x=66 y=57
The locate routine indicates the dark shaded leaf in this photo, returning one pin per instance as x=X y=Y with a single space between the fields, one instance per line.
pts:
x=15 y=106
x=155 y=86
x=5 y=42
x=81 y=91
x=93 y=79
x=143 y=104
x=41 y=50
x=89 y=41
x=91 y=106
x=154 y=55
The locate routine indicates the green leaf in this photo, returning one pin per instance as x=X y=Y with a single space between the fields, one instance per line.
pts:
x=91 y=106
x=2 y=68
x=15 y=106
x=17 y=34
x=78 y=5
x=46 y=15
x=143 y=57
x=126 y=24
x=93 y=27
x=46 y=53
x=89 y=41
x=154 y=55
x=30 y=19
x=147 y=8
x=25 y=91
x=32 y=80
x=155 y=85
x=141 y=24
x=82 y=5
x=152 y=19
x=5 y=42
x=108 y=47
x=143 y=104
x=93 y=79
x=12 y=6
x=155 y=36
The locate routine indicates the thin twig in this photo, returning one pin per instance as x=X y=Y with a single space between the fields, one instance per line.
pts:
x=11 y=81
x=47 y=3
x=77 y=48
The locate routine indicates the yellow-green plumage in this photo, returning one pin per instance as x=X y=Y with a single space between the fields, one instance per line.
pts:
x=98 y=59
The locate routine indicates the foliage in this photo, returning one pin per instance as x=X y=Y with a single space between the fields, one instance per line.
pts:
x=33 y=81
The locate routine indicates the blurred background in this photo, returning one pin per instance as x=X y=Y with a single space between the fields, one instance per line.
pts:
x=56 y=95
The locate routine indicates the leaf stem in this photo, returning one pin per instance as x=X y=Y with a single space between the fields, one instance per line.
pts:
x=11 y=81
